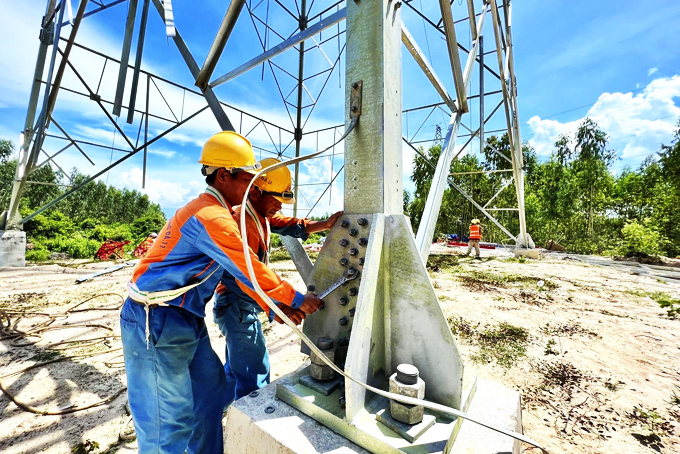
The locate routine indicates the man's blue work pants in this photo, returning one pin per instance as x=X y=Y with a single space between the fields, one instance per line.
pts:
x=247 y=358
x=176 y=386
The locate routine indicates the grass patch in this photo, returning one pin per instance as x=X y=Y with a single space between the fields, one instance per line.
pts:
x=85 y=447
x=279 y=255
x=550 y=348
x=46 y=355
x=650 y=420
x=613 y=386
x=516 y=259
x=663 y=299
x=611 y=314
x=568 y=329
x=441 y=263
x=503 y=343
x=506 y=280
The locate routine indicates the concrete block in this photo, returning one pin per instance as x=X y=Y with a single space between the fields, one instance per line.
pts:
x=531 y=253
x=496 y=405
x=12 y=248
x=251 y=427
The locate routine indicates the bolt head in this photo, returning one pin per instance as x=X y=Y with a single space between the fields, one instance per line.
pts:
x=353 y=291
x=363 y=242
x=343 y=321
x=354 y=252
x=355 y=85
x=324 y=343
x=344 y=301
x=407 y=374
x=344 y=261
x=362 y=221
x=344 y=242
x=344 y=224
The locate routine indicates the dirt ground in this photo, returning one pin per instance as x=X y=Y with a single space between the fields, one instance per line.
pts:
x=594 y=355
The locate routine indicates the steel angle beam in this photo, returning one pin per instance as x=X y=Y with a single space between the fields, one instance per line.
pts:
x=419 y=57
x=125 y=57
x=138 y=62
x=208 y=94
x=220 y=41
x=297 y=252
x=452 y=44
x=439 y=181
x=109 y=167
x=318 y=27
x=62 y=66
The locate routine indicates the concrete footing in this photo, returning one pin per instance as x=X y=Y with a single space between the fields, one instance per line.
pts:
x=265 y=424
x=12 y=248
x=531 y=253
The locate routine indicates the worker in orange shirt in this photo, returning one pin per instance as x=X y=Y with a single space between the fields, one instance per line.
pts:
x=475 y=237
x=236 y=306
x=176 y=383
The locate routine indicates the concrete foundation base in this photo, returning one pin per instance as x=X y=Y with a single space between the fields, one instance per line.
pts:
x=531 y=253
x=12 y=248
x=264 y=424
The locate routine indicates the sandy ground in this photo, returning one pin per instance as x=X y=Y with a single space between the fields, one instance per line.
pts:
x=613 y=349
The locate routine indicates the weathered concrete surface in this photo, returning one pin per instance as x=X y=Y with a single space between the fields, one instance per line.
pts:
x=12 y=248
x=249 y=429
x=531 y=253
x=497 y=405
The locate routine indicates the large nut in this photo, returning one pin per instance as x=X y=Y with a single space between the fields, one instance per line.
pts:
x=415 y=387
x=330 y=354
x=321 y=373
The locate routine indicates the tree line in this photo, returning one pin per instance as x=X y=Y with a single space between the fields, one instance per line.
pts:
x=78 y=224
x=574 y=198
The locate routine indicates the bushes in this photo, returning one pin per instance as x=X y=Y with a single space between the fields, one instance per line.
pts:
x=639 y=240
x=54 y=232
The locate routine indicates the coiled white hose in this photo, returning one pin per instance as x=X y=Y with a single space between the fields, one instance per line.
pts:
x=314 y=348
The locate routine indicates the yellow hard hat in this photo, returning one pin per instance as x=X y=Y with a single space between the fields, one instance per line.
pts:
x=229 y=150
x=475 y=221
x=276 y=183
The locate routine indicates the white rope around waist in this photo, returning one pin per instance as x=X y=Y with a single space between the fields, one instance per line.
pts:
x=159 y=298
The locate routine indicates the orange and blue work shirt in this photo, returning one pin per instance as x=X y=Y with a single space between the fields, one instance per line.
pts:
x=258 y=240
x=198 y=240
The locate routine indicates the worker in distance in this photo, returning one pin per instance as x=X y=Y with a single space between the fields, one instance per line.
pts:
x=176 y=382
x=475 y=237
x=236 y=305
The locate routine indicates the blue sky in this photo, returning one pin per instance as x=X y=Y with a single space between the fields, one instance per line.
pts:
x=617 y=63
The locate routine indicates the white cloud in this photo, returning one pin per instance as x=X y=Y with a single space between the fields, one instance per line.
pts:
x=161 y=152
x=652 y=71
x=169 y=193
x=636 y=124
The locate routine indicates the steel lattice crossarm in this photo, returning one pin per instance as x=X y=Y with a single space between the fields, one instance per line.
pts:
x=303 y=32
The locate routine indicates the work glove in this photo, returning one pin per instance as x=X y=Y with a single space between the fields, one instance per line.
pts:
x=295 y=315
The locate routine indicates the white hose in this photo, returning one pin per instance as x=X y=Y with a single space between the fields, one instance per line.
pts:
x=313 y=347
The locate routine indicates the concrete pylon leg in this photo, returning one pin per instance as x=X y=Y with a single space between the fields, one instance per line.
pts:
x=12 y=248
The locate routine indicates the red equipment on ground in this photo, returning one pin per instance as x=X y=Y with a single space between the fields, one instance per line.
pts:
x=144 y=246
x=481 y=245
x=111 y=249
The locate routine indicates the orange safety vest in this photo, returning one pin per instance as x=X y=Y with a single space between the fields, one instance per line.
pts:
x=475 y=232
